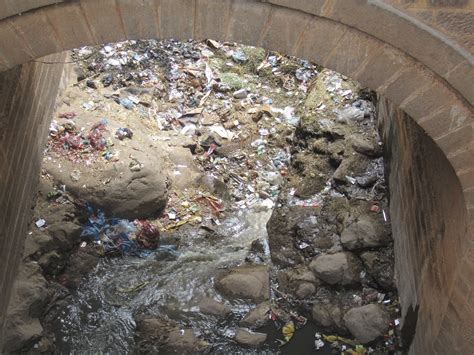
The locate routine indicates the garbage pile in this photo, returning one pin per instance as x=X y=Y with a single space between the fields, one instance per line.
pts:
x=77 y=145
x=220 y=95
x=119 y=237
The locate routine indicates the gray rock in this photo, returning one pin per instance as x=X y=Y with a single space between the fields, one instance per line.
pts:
x=107 y=185
x=240 y=94
x=37 y=243
x=21 y=335
x=184 y=341
x=340 y=268
x=366 y=181
x=154 y=335
x=65 y=234
x=51 y=262
x=305 y=290
x=363 y=146
x=248 y=282
x=364 y=233
x=328 y=315
x=367 y=323
x=30 y=295
x=380 y=266
x=352 y=165
x=212 y=307
x=257 y=317
x=245 y=337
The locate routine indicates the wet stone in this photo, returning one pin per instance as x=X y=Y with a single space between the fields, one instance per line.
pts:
x=366 y=147
x=367 y=323
x=305 y=290
x=328 y=315
x=247 y=282
x=379 y=265
x=337 y=269
x=364 y=233
x=212 y=307
x=257 y=317
x=251 y=339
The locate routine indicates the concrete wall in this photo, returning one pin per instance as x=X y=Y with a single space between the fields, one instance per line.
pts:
x=27 y=96
x=434 y=258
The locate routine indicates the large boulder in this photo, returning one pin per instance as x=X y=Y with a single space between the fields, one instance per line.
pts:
x=379 y=265
x=114 y=187
x=366 y=232
x=210 y=306
x=367 y=323
x=133 y=183
x=328 y=315
x=30 y=296
x=154 y=335
x=257 y=317
x=251 y=339
x=299 y=281
x=248 y=282
x=337 y=269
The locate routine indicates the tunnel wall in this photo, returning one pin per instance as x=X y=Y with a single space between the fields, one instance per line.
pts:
x=27 y=97
x=434 y=269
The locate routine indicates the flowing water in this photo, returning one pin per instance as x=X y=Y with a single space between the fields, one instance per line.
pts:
x=100 y=314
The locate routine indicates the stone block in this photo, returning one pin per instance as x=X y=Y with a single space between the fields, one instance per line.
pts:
x=247 y=22
x=312 y=7
x=13 y=47
x=176 y=19
x=319 y=40
x=139 y=18
x=429 y=101
x=410 y=80
x=382 y=66
x=284 y=31
x=352 y=52
x=456 y=140
x=398 y=31
x=462 y=160
x=104 y=20
x=462 y=76
x=212 y=19
x=70 y=25
x=448 y=118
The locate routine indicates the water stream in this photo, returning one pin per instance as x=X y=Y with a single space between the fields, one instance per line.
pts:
x=100 y=314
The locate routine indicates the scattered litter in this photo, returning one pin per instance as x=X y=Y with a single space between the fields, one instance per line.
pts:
x=222 y=132
x=148 y=235
x=89 y=105
x=40 y=223
x=135 y=288
x=115 y=237
x=288 y=331
x=351 y=179
x=240 y=94
x=127 y=103
x=68 y=115
x=123 y=133
x=318 y=342
x=239 y=56
x=75 y=175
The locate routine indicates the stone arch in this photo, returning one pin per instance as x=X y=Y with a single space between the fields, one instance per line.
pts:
x=419 y=70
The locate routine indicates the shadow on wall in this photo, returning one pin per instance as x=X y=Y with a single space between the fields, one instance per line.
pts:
x=429 y=224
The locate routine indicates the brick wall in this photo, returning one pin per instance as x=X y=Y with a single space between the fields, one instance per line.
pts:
x=27 y=96
x=433 y=268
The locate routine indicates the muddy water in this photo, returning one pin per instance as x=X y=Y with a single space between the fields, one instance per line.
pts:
x=100 y=315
